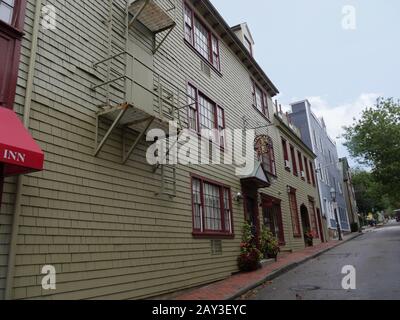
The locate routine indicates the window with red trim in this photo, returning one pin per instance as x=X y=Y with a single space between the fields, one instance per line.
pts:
x=200 y=37
x=300 y=158
x=212 y=208
x=294 y=211
x=312 y=173
x=7 y=10
x=307 y=170
x=12 y=16
x=285 y=153
x=311 y=206
x=203 y=113
x=268 y=159
x=260 y=99
x=294 y=162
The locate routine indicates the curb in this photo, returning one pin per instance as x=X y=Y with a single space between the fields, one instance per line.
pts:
x=285 y=269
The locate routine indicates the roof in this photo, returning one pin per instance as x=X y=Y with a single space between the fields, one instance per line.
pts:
x=228 y=35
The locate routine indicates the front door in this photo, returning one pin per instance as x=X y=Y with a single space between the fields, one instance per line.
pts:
x=305 y=220
x=272 y=217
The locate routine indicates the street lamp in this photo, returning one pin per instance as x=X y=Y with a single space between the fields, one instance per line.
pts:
x=333 y=196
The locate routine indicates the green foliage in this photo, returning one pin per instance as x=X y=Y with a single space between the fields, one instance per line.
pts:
x=250 y=256
x=375 y=141
x=269 y=245
x=368 y=192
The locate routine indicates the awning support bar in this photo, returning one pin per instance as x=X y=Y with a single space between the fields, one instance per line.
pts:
x=138 y=139
x=110 y=130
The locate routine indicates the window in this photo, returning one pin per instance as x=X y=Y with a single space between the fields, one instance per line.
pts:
x=312 y=173
x=203 y=113
x=248 y=45
x=192 y=111
x=201 y=39
x=294 y=213
x=285 y=154
x=294 y=162
x=300 y=158
x=311 y=206
x=215 y=52
x=188 y=24
x=259 y=99
x=197 y=34
x=315 y=139
x=268 y=159
x=212 y=210
x=307 y=170
x=6 y=10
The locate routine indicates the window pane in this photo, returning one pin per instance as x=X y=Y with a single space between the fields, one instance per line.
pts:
x=201 y=40
x=212 y=207
x=192 y=109
x=227 y=206
x=259 y=100
x=215 y=51
x=6 y=10
x=197 y=214
x=207 y=116
x=188 y=24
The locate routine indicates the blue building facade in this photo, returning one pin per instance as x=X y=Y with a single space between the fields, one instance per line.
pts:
x=314 y=134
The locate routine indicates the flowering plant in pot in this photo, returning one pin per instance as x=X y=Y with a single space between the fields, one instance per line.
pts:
x=269 y=244
x=309 y=237
x=250 y=256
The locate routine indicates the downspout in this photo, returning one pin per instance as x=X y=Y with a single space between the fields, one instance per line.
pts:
x=20 y=180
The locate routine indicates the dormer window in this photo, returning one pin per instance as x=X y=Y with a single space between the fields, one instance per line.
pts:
x=248 y=45
x=6 y=10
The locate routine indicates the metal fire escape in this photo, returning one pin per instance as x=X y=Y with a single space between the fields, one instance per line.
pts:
x=133 y=101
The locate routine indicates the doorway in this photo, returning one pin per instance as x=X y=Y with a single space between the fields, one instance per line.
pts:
x=305 y=220
x=321 y=230
x=272 y=217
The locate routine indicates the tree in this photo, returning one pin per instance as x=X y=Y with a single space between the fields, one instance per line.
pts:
x=374 y=140
x=368 y=192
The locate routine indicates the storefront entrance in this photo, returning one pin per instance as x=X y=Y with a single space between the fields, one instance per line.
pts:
x=272 y=217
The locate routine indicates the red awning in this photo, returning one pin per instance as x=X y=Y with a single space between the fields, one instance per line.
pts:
x=19 y=153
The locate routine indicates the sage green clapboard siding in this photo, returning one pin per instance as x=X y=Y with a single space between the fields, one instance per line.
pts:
x=97 y=221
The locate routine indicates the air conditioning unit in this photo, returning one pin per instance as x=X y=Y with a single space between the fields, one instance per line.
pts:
x=287 y=164
x=303 y=174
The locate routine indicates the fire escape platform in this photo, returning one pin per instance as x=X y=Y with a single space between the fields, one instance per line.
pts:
x=151 y=15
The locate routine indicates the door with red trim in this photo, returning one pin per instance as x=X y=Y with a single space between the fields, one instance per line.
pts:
x=272 y=217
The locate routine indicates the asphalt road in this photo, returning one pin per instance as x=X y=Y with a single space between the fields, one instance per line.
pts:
x=375 y=256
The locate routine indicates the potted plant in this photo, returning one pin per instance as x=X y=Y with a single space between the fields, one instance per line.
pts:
x=250 y=257
x=309 y=238
x=269 y=245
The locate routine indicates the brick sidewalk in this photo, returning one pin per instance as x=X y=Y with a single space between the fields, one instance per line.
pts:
x=237 y=285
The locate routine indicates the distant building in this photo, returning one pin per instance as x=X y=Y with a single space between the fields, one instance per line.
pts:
x=314 y=135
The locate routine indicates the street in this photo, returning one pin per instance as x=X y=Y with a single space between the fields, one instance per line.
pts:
x=375 y=256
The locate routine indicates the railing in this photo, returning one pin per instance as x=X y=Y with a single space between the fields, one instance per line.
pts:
x=155 y=94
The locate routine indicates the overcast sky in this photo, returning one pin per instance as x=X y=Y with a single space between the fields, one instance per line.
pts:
x=305 y=50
